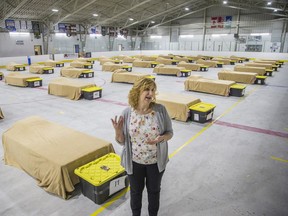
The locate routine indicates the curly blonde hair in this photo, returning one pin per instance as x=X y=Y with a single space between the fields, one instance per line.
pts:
x=139 y=86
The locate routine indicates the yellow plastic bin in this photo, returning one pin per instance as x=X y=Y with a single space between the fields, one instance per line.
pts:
x=237 y=90
x=201 y=112
x=34 y=82
x=102 y=178
x=48 y=70
x=127 y=68
x=87 y=74
x=260 y=80
x=91 y=93
x=185 y=73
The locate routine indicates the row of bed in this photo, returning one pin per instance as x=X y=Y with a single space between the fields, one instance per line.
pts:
x=37 y=145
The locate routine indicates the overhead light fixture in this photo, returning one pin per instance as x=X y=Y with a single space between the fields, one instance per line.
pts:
x=275 y=10
x=95 y=15
x=60 y=34
x=259 y=34
x=152 y=22
x=19 y=33
x=224 y=2
x=95 y=35
x=131 y=19
x=155 y=36
x=55 y=10
x=269 y=3
x=187 y=9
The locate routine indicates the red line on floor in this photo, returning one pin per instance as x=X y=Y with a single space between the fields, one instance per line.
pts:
x=253 y=129
x=113 y=102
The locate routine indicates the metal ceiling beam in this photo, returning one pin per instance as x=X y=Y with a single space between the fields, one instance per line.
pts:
x=161 y=13
x=179 y=17
x=13 y=11
x=75 y=11
x=119 y=14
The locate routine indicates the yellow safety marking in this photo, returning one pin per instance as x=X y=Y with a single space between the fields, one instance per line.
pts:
x=110 y=202
x=106 y=205
x=279 y=159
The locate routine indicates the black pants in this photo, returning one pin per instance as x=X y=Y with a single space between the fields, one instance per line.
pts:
x=151 y=174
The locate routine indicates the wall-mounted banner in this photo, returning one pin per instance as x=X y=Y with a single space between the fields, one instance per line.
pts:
x=10 y=25
x=221 y=22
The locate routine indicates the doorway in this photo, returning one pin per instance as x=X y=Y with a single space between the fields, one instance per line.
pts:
x=37 y=49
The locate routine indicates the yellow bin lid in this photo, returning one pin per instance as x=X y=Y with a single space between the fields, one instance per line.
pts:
x=150 y=76
x=101 y=170
x=48 y=68
x=238 y=86
x=261 y=77
x=186 y=71
x=33 y=79
x=202 y=107
x=127 y=66
x=92 y=89
x=87 y=71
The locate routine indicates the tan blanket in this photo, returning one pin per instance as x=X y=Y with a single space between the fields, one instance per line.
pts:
x=190 y=66
x=165 y=61
x=259 y=70
x=126 y=77
x=267 y=66
x=68 y=88
x=1 y=114
x=72 y=72
x=78 y=64
x=149 y=58
x=265 y=62
x=218 y=87
x=170 y=70
x=207 y=63
x=140 y=63
x=104 y=60
x=50 y=152
x=52 y=63
x=12 y=66
x=108 y=66
x=225 y=61
x=128 y=59
x=177 y=105
x=166 y=56
x=241 y=77
x=18 y=79
x=38 y=69
x=178 y=58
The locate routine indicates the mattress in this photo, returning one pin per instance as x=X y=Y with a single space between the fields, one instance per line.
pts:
x=177 y=105
x=50 y=152
x=168 y=70
x=18 y=79
x=72 y=72
x=200 y=84
x=68 y=88
x=126 y=77
x=108 y=66
x=241 y=77
x=259 y=70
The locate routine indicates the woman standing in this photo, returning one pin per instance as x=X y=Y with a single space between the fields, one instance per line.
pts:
x=144 y=129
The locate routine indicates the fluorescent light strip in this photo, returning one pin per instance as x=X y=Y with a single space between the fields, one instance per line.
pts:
x=95 y=35
x=186 y=36
x=19 y=33
x=218 y=35
x=259 y=34
x=155 y=36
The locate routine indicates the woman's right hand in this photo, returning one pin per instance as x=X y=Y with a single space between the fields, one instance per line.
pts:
x=118 y=123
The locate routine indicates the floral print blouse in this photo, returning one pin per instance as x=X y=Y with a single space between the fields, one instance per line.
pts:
x=141 y=128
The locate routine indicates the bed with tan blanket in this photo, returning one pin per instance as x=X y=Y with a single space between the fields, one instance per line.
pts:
x=12 y=66
x=177 y=105
x=79 y=64
x=123 y=76
x=40 y=69
x=224 y=60
x=129 y=59
x=18 y=79
x=179 y=58
x=241 y=77
x=253 y=64
x=149 y=58
x=49 y=152
x=104 y=60
x=212 y=86
x=261 y=71
x=1 y=114
x=89 y=60
x=144 y=64
x=190 y=66
x=53 y=63
x=75 y=72
x=109 y=66
x=168 y=70
x=165 y=61
x=207 y=63
x=68 y=88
